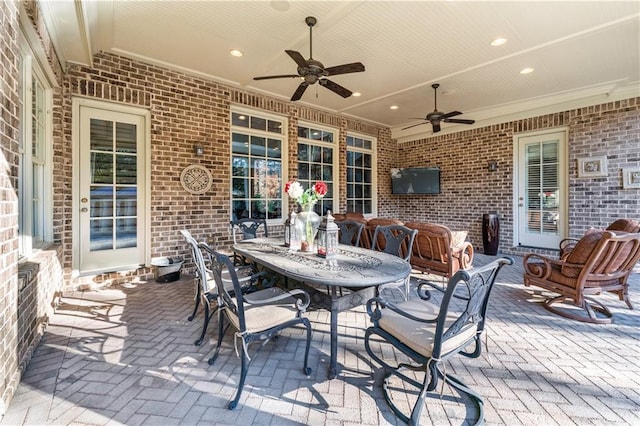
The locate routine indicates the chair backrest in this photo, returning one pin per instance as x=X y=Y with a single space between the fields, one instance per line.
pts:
x=394 y=239
x=433 y=241
x=613 y=257
x=463 y=308
x=220 y=264
x=248 y=228
x=625 y=225
x=198 y=259
x=350 y=232
x=370 y=228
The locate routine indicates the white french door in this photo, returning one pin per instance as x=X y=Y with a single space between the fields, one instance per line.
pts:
x=110 y=200
x=541 y=189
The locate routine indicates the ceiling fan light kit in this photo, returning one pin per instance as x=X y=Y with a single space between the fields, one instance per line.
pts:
x=312 y=71
x=436 y=117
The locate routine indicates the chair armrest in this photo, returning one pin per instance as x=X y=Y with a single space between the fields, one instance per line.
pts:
x=459 y=251
x=375 y=314
x=540 y=266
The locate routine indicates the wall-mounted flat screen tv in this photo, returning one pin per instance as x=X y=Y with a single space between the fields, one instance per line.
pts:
x=415 y=180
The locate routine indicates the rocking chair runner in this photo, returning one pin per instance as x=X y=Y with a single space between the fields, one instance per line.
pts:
x=257 y=316
x=430 y=335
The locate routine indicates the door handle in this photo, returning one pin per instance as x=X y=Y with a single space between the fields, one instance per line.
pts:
x=84 y=210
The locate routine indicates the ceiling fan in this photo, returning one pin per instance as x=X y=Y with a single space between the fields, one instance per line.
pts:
x=312 y=71
x=436 y=116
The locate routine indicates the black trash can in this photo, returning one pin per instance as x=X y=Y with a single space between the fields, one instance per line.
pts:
x=167 y=269
x=490 y=233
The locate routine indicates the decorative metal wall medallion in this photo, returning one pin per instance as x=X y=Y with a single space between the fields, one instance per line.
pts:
x=196 y=179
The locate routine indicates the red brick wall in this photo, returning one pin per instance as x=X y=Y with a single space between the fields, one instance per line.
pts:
x=469 y=189
x=186 y=111
x=9 y=127
x=28 y=290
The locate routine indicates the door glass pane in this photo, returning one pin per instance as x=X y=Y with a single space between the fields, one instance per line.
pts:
x=101 y=167
x=126 y=233
x=101 y=201
x=101 y=234
x=101 y=135
x=126 y=201
x=541 y=188
x=113 y=194
x=125 y=137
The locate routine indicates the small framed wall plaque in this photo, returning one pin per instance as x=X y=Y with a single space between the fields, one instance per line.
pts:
x=592 y=166
x=631 y=178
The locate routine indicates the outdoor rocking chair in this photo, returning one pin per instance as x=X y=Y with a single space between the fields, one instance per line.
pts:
x=257 y=316
x=431 y=334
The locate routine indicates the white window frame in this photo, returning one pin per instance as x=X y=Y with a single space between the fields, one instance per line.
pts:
x=35 y=226
x=284 y=135
x=374 y=168
x=335 y=145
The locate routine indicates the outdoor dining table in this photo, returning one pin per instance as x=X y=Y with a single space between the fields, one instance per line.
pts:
x=357 y=269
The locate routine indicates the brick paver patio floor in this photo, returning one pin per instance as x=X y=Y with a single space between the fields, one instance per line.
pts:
x=125 y=355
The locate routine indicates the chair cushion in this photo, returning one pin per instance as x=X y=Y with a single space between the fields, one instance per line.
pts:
x=420 y=336
x=259 y=318
x=581 y=252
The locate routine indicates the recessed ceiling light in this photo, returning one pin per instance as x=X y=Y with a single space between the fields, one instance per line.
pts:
x=280 y=6
x=356 y=94
x=527 y=70
x=393 y=107
x=236 y=52
x=499 y=41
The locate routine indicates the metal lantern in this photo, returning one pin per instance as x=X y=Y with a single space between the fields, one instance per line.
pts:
x=327 y=236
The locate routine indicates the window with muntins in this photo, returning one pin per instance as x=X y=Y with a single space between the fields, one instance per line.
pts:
x=36 y=135
x=257 y=143
x=361 y=196
x=317 y=162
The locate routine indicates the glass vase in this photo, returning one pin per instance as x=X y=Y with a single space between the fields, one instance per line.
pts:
x=306 y=226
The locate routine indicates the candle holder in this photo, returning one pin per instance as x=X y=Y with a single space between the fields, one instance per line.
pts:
x=327 y=237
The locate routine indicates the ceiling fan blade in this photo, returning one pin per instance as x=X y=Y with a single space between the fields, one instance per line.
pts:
x=299 y=91
x=415 y=118
x=451 y=114
x=459 y=120
x=268 y=77
x=334 y=87
x=345 y=69
x=414 y=125
x=436 y=127
x=298 y=58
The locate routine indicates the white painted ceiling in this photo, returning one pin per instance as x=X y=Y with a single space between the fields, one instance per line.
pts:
x=582 y=52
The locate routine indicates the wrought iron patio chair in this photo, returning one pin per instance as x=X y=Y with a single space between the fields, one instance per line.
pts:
x=257 y=316
x=350 y=232
x=246 y=275
x=430 y=334
x=398 y=241
x=246 y=229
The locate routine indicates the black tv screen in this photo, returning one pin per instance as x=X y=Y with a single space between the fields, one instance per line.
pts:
x=415 y=180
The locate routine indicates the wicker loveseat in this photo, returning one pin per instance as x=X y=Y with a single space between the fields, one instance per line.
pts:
x=435 y=250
